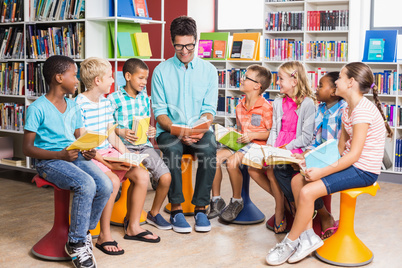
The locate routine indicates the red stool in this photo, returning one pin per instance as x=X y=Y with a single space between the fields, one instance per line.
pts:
x=51 y=246
x=316 y=221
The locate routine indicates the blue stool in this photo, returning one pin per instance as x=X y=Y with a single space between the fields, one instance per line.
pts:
x=250 y=213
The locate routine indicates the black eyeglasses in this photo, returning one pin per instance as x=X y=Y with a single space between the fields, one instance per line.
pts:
x=179 y=47
x=245 y=77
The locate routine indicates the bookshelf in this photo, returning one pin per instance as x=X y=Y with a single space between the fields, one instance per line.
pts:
x=93 y=19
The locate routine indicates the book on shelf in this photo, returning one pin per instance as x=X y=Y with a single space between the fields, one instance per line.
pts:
x=388 y=46
x=140 y=127
x=123 y=27
x=11 y=10
x=124 y=44
x=323 y=155
x=48 y=10
x=228 y=137
x=14 y=161
x=91 y=139
x=141 y=8
x=259 y=155
x=130 y=8
x=219 y=49
x=285 y=21
x=205 y=48
x=12 y=116
x=200 y=126
x=236 y=49
x=142 y=44
x=247 y=49
x=128 y=159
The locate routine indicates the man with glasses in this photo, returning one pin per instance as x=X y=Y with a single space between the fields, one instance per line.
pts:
x=184 y=89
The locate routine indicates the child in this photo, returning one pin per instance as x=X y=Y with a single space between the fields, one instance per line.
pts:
x=97 y=115
x=53 y=122
x=254 y=120
x=292 y=129
x=328 y=125
x=132 y=100
x=361 y=145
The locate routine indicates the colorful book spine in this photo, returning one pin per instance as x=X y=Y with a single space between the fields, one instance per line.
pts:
x=283 y=49
x=327 y=51
x=285 y=21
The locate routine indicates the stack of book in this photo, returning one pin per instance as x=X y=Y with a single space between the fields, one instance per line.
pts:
x=12 y=78
x=327 y=51
x=386 y=82
x=283 y=49
x=11 y=10
x=12 y=116
x=212 y=49
x=234 y=77
x=221 y=78
x=328 y=20
x=11 y=46
x=44 y=10
x=14 y=161
x=285 y=21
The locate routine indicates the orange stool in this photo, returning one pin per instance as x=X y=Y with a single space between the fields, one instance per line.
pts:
x=344 y=248
x=51 y=246
x=187 y=185
x=120 y=207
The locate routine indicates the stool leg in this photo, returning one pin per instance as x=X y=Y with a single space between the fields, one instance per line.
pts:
x=187 y=187
x=344 y=247
x=51 y=246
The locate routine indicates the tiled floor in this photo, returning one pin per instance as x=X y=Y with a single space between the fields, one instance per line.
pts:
x=26 y=214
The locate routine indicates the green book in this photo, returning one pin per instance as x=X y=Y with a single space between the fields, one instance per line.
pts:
x=228 y=137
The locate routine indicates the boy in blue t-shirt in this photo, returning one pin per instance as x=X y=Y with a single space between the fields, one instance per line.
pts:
x=53 y=122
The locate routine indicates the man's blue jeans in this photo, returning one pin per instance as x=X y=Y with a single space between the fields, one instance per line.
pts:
x=91 y=187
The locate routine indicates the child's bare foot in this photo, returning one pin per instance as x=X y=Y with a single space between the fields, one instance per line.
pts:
x=137 y=233
x=108 y=246
x=279 y=223
x=328 y=226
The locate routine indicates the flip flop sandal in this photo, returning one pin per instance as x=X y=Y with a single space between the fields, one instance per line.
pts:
x=102 y=246
x=335 y=228
x=140 y=237
x=280 y=225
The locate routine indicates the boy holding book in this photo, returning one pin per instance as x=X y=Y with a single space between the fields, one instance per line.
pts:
x=53 y=122
x=254 y=121
x=132 y=101
x=97 y=115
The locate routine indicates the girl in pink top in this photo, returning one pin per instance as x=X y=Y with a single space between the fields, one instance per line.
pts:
x=361 y=145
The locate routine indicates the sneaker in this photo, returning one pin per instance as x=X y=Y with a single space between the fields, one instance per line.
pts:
x=309 y=242
x=216 y=208
x=282 y=251
x=80 y=255
x=232 y=210
x=158 y=221
x=202 y=223
x=88 y=241
x=179 y=224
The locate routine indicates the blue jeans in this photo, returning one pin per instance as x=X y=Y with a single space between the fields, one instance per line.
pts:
x=91 y=187
x=348 y=178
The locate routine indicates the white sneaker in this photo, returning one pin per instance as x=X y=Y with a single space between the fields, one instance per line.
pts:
x=309 y=242
x=282 y=251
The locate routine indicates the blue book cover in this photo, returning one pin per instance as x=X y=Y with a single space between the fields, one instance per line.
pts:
x=389 y=46
x=324 y=155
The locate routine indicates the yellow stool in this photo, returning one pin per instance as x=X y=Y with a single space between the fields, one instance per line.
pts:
x=344 y=248
x=120 y=207
x=187 y=185
x=95 y=232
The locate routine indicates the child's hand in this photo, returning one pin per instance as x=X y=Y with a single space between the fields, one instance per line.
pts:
x=89 y=154
x=298 y=156
x=70 y=155
x=313 y=174
x=118 y=166
x=151 y=132
x=187 y=140
x=129 y=135
x=246 y=138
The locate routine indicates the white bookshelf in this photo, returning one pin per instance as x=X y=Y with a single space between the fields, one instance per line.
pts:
x=95 y=45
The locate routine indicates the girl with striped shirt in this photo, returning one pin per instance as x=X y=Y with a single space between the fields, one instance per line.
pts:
x=361 y=146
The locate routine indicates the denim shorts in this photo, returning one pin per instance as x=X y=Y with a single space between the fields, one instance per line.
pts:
x=348 y=178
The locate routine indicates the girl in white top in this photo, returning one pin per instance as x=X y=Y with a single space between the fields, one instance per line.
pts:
x=361 y=146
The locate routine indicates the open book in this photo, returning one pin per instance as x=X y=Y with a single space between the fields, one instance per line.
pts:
x=200 y=126
x=90 y=139
x=140 y=127
x=228 y=137
x=258 y=155
x=128 y=159
x=324 y=155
